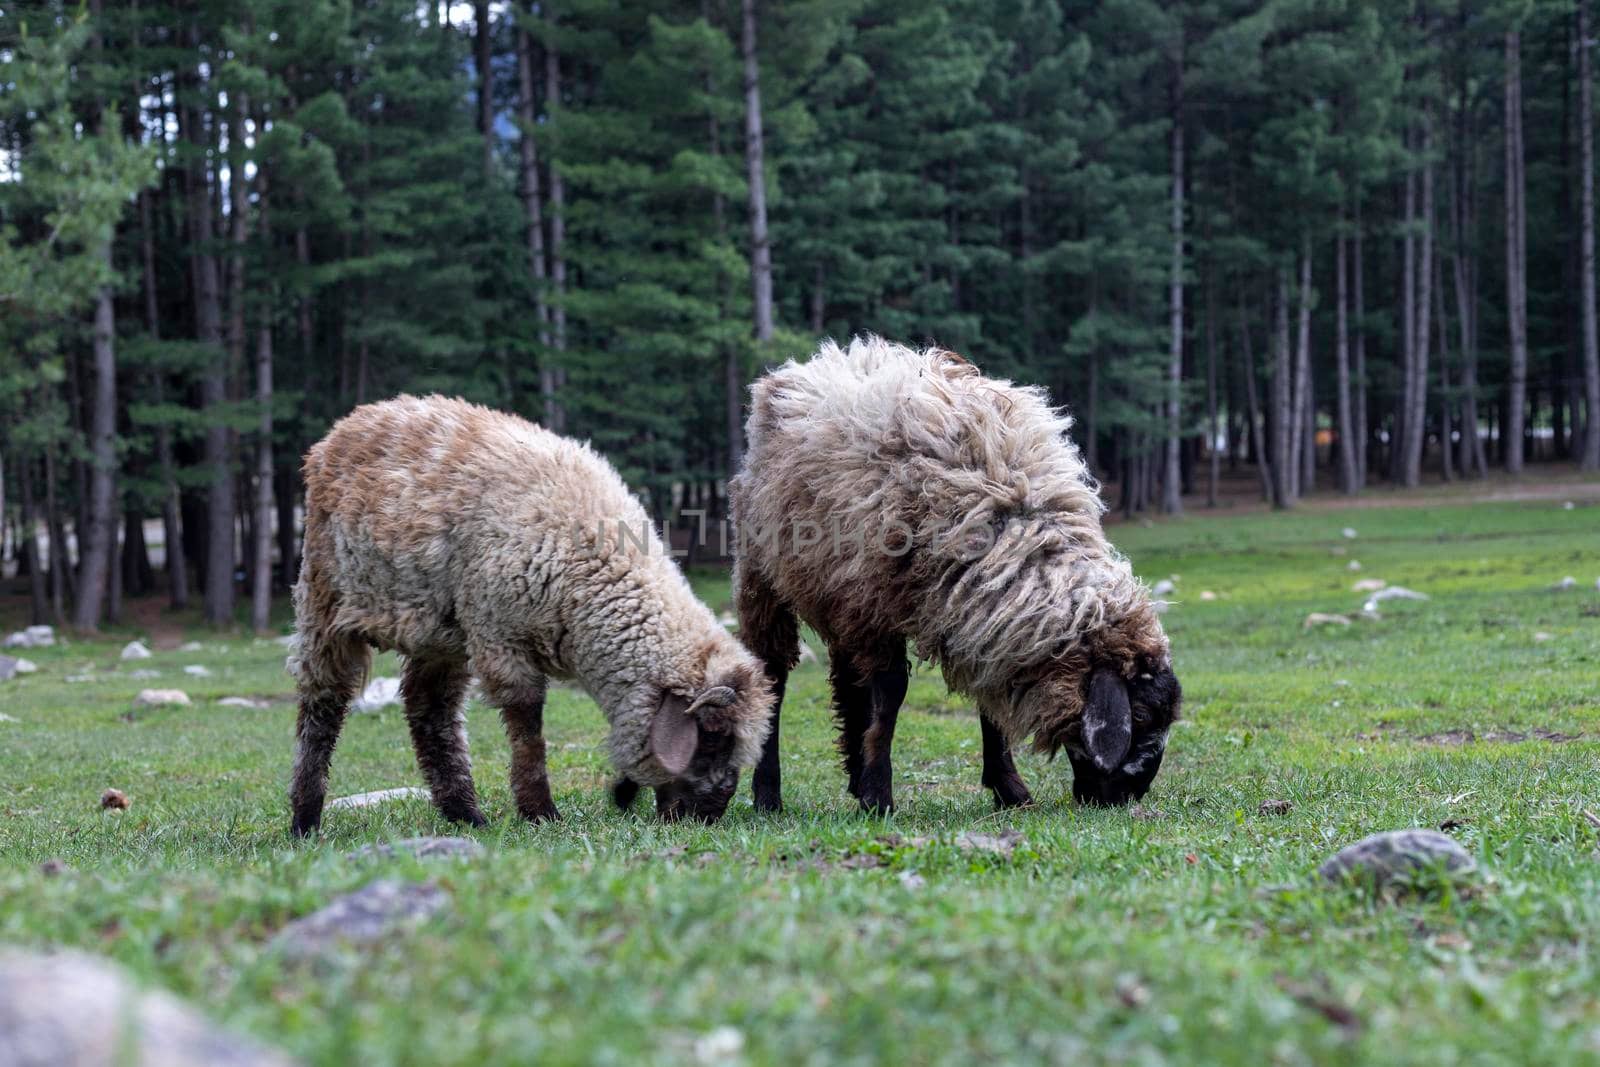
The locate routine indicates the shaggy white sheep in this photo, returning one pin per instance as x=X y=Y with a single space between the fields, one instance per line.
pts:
x=892 y=495
x=474 y=542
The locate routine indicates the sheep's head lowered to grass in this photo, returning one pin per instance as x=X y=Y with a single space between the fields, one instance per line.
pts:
x=698 y=741
x=1116 y=742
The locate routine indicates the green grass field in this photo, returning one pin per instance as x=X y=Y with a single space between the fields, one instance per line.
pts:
x=825 y=936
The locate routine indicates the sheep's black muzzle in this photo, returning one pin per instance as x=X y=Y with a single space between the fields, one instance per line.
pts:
x=1129 y=782
x=685 y=799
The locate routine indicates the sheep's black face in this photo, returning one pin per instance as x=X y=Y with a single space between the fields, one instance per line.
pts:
x=704 y=790
x=1124 y=737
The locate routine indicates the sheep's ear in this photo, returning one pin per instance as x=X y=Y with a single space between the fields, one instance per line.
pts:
x=718 y=696
x=674 y=735
x=1107 y=720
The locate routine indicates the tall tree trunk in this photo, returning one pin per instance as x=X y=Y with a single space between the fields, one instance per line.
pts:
x=261 y=570
x=533 y=209
x=1172 y=483
x=1282 y=399
x=1359 y=429
x=1416 y=426
x=100 y=538
x=38 y=595
x=102 y=532
x=732 y=355
x=558 y=219
x=1462 y=270
x=483 y=54
x=171 y=517
x=1341 y=356
x=1091 y=419
x=60 y=574
x=760 y=246
x=1589 y=458
x=1408 y=324
x=213 y=390
x=1516 y=260
x=261 y=523
x=1446 y=452
x=1213 y=430
x=1302 y=456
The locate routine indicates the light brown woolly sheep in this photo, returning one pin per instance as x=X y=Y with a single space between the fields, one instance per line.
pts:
x=890 y=495
x=470 y=540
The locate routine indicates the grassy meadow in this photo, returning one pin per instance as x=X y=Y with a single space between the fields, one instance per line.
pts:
x=1181 y=931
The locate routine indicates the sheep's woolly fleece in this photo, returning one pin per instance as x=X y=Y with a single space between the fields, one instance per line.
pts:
x=1009 y=568
x=447 y=529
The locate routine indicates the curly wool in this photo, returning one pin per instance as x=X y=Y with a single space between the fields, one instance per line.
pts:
x=446 y=530
x=1009 y=570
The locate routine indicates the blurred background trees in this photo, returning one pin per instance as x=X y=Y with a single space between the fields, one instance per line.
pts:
x=1286 y=244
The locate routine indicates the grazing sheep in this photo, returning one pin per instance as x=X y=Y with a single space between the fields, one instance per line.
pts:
x=472 y=541
x=890 y=495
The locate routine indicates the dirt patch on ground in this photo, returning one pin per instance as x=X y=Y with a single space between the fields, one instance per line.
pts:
x=149 y=614
x=1496 y=737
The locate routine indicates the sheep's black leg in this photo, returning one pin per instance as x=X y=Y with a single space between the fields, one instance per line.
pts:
x=887 y=691
x=523 y=713
x=769 y=629
x=327 y=671
x=767 y=782
x=852 y=711
x=999 y=771
x=432 y=689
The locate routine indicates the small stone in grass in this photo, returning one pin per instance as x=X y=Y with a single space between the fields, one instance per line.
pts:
x=423 y=848
x=157 y=698
x=1206 y=594
x=1353 y=565
x=195 y=670
x=7 y=718
x=245 y=702
x=1368 y=585
x=54 y=867
x=1322 y=618
x=114 y=800
x=912 y=880
x=370 y=914
x=135 y=650
x=377 y=796
x=1393 y=857
x=379 y=693
x=1541 y=636
x=190 y=646
x=1569 y=582
x=722 y=1045
x=1002 y=844
x=70 y=1009
x=1277 y=806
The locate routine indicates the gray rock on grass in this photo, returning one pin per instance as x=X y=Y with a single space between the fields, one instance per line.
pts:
x=379 y=693
x=136 y=650
x=68 y=1009
x=423 y=848
x=32 y=637
x=372 y=913
x=1393 y=858
x=161 y=698
x=377 y=796
x=8 y=668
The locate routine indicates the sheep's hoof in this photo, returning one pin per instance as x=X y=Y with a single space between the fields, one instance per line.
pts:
x=879 y=806
x=1012 y=794
x=771 y=805
x=303 y=830
x=548 y=813
x=470 y=816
